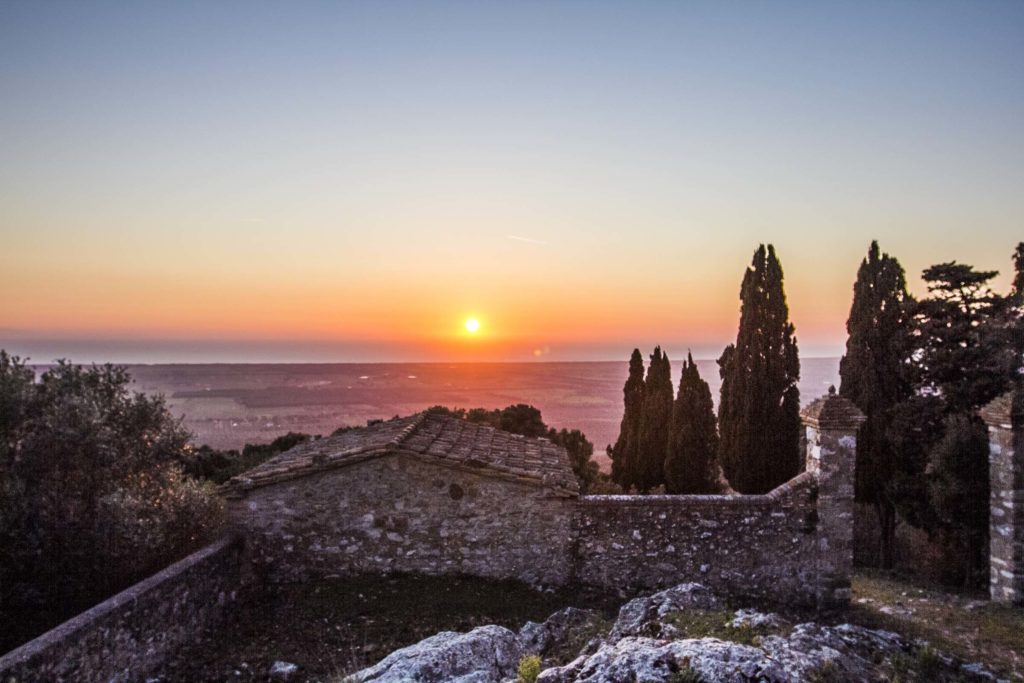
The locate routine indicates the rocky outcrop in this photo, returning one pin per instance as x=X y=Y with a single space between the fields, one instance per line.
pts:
x=652 y=641
x=484 y=655
x=646 y=616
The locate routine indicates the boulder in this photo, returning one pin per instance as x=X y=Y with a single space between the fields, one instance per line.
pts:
x=646 y=616
x=484 y=655
x=651 y=660
x=562 y=629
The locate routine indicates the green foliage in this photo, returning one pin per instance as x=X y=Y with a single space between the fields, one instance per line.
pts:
x=958 y=489
x=963 y=341
x=759 y=410
x=529 y=669
x=691 y=464
x=874 y=378
x=218 y=466
x=655 y=419
x=527 y=420
x=92 y=493
x=625 y=455
x=965 y=351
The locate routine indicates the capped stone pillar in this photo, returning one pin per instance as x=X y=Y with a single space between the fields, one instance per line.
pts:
x=831 y=423
x=1006 y=498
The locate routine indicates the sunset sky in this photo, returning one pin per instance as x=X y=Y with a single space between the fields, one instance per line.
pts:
x=354 y=181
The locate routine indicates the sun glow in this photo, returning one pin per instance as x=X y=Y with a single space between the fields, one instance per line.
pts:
x=472 y=325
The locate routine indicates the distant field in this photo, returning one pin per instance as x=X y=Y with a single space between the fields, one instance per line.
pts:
x=227 y=406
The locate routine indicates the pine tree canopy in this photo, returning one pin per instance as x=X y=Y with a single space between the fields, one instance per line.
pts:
x=963 y=345
x=759 y=413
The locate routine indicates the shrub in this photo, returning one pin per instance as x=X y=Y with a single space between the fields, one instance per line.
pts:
x=529 y=669
x=91 y=493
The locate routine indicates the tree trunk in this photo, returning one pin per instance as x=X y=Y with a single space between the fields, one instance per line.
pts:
x=887 y=532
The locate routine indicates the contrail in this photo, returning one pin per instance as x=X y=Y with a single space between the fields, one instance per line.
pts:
x=525 y=239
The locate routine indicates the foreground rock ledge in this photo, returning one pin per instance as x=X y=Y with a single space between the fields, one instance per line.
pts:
x=648 y=642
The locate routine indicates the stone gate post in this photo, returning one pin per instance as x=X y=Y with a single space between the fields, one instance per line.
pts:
x=831 y=424
x=1005 y=420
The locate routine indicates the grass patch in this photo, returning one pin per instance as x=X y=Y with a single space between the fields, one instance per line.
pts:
x=960 y=625
x=333 y=628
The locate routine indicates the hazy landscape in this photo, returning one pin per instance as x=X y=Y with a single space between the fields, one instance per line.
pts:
x=229 y=405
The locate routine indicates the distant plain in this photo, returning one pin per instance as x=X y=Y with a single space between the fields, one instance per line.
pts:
x=229 y=405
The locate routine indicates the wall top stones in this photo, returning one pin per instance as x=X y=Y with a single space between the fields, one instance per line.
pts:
x=832 y=412
x=441 y=439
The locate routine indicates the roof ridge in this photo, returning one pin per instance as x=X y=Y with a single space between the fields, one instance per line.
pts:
x=407 y=431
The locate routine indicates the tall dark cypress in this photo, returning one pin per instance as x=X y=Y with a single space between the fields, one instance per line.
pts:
x=759 y=414
x=654 y=424
x=624 y=454
x=872 y=377
x=1017 y=292
x=691 y=462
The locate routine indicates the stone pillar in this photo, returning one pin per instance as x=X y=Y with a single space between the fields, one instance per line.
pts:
x=831 y=424
x=1005 y=420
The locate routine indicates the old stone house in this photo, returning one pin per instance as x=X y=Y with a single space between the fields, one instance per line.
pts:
x=427 y=493
x=435 y=494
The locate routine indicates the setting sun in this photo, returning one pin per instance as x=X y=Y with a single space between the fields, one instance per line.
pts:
x=472 y=325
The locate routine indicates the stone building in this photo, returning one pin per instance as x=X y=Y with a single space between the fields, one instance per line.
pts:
x=427 y=493
x=435 y=494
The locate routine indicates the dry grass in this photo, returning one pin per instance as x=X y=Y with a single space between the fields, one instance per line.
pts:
x=967 y=627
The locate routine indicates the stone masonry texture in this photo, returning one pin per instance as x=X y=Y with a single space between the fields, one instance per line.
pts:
x=1006 y=484
x=131 y=634
x=407 y=503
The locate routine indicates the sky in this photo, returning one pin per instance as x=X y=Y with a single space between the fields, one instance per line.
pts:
x=353 y=181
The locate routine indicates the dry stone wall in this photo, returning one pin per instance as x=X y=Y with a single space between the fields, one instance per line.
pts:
x=131 y=634
x=751 y=546
x=399 y=513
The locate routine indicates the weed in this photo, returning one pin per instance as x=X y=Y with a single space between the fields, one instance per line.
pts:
x=529 y=669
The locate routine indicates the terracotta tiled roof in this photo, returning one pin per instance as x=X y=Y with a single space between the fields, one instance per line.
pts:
x=440 y=438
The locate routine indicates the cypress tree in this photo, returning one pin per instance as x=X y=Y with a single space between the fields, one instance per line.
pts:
x=1017 y=293
x=624 y=454
x=759 y=414
x=654 y=423
x=872 y=377
x=691 y=464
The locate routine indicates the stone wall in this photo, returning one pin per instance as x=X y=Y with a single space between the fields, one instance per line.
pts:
x=399 y=513
x=751 y=546
x=1006 y=491
x=132 y=633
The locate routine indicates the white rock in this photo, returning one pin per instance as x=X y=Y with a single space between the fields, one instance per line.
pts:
x=484 y=655
x=282 y=671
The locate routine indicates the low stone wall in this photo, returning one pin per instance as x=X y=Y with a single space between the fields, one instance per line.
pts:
x=398 y=513
x=745 y=546
x=132 y=633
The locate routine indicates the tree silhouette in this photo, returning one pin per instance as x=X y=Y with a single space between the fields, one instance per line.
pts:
x=691 y=462
x=759 y=414
x=873 y=377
